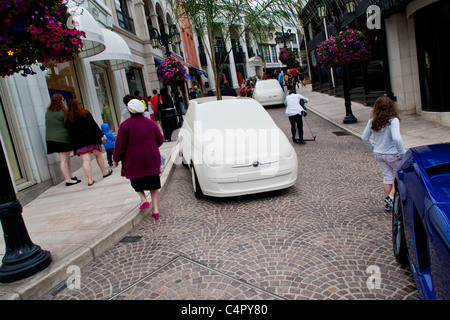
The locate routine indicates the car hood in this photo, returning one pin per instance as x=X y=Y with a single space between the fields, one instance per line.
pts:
x=435 y=159
x=238 y=131
x=434 y=155
x=237 y=114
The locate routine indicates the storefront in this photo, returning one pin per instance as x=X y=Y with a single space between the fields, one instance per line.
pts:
x=408 y=58
x=430 y=23
x=95 y=78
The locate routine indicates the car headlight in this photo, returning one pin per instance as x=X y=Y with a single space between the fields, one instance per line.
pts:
x=213 y=158
x=287 y=150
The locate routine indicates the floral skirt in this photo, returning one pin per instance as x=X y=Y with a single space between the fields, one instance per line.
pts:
x=89 y=149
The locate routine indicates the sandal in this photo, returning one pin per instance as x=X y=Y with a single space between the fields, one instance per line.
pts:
x=90 y=184
x=108 y=174
x=155 y=215
x=72 y=183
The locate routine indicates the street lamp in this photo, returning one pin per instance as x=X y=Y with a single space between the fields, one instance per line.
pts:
x=284 y=36
x=22 y=257
x=165 y=39
x=350 y=8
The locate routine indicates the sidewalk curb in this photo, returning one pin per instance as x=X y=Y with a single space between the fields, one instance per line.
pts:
x=341 y=126
x=41 y=283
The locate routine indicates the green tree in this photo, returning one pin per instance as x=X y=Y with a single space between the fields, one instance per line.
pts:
x=230 y=20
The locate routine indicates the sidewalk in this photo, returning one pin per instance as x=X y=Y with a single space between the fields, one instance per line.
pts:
x=414 y=130
x=76 y=224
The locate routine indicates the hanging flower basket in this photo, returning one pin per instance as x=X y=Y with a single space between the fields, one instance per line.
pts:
x=33 y=31
x=346 y=48
x=171 y=71
x=286 y=56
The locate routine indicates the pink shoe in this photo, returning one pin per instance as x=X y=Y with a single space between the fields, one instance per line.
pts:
x=155 y=215
x=145 y=205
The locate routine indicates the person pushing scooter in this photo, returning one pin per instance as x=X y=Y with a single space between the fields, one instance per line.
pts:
x=295 y=111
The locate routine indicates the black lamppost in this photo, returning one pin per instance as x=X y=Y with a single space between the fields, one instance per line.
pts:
x=284 y=36
x=165 y=39
x=22 y=257
x=335 y=12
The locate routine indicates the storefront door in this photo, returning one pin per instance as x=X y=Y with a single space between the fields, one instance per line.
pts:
x=432 y=55
x=11 y=150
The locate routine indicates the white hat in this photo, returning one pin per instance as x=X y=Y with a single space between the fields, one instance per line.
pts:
x=136 y=106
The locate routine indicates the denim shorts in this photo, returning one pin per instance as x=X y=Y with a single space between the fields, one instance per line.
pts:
x=388 y=164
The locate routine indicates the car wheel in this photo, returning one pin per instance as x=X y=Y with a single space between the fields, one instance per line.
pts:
x=195 y=184
x=398 y=231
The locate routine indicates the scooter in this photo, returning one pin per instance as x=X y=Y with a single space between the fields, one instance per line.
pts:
x=302 y=103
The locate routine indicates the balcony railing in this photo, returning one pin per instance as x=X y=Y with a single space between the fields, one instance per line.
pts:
x=125 y=22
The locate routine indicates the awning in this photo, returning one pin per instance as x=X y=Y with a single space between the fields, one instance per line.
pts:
x=199 y=72
x=187 y=73
x=117 y=52
x=94 y=42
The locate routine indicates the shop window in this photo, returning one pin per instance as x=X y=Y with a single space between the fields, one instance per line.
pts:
x=135 y=80
x=104 y=96
x=61 y=79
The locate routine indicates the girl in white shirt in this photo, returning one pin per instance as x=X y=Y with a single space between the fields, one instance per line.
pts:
x=388 y=148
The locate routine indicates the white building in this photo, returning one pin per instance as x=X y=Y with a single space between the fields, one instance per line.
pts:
x=117 y=59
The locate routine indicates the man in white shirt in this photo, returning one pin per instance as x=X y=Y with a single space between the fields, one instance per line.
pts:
x=295 y=111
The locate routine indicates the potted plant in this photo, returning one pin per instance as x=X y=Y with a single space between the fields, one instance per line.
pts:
x=36 y=32
x=286 y=57
x=348 y=47
x=171 y=71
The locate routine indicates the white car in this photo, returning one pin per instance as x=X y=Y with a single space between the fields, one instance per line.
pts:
x=233 y=148
x=269 y=92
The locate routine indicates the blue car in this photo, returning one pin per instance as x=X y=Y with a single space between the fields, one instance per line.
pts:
x=421 y=218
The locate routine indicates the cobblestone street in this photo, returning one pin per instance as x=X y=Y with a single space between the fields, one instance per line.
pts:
x=316 y=240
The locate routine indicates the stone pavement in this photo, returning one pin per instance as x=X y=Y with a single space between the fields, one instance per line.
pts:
x=79 y=223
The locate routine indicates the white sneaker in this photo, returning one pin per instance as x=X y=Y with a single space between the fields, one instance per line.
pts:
x=389 y=203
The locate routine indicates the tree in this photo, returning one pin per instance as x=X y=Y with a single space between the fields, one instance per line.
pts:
x=227 y=18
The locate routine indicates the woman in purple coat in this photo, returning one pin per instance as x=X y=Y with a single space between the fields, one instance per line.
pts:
x=137 y=146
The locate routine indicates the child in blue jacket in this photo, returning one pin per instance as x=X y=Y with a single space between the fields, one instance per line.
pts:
x=109 y=143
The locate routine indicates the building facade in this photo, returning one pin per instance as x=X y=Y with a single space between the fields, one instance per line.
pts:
x=407 y=47
x=117 y=59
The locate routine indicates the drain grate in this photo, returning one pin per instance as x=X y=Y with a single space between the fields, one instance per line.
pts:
x=131 y=239
x=341 y=133
x=54 y=293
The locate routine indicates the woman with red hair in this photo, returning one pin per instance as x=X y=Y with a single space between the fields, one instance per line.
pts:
x=86 y=138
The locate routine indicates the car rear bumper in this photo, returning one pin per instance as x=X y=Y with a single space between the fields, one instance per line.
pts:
x=267 y=101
